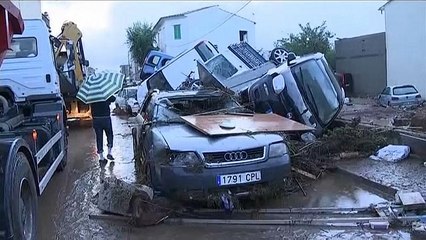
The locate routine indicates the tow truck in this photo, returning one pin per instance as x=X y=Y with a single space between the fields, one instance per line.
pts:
x=33 y=133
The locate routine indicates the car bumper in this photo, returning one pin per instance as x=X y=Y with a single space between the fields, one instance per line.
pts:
x=413 y=103
x=194 y=184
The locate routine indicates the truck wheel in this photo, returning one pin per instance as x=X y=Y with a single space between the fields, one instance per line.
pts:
x=23 y=202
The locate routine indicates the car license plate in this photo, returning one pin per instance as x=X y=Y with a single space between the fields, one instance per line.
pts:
x=238 y=178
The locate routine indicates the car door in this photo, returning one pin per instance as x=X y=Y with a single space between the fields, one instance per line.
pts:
x=384 y=97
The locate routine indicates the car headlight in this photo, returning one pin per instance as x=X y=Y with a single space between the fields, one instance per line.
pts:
x=184 y=159
x=277 y=149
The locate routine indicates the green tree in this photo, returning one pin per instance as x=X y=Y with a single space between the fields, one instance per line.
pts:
x=141 y=40
x=310 y=40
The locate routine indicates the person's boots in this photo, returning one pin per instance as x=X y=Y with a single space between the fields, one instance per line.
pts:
x=101 y=157
x=109 y=156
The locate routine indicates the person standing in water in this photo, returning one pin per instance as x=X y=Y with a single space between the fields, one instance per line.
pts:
x=101 y=115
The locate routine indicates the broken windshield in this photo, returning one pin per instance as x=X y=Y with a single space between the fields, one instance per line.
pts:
x=318 y=89
x=170 y=109
x=221 y=68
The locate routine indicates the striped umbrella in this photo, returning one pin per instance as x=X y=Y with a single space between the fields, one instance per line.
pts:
x=99 y=87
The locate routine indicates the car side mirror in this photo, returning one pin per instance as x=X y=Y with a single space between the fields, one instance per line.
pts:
x=278 y=83
x=86 y=63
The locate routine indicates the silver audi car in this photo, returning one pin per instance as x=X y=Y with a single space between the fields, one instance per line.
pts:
x=179 y=159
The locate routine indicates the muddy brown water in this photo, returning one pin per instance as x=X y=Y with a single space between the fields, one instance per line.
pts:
x=68 y=200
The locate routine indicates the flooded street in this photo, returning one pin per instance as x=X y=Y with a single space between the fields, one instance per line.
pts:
x=69 y=199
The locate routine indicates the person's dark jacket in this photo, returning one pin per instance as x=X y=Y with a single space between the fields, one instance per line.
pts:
x=101 y=109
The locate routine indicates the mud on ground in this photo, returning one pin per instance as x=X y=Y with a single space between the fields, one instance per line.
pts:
x=369 y=111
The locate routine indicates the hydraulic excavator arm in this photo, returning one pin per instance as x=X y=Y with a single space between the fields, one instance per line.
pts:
x=71 y=65
x=69 y=52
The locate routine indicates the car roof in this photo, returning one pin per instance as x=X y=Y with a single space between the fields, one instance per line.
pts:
x=188 y=93
x=402 y=85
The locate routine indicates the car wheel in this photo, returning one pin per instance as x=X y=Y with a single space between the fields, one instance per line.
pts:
x=23 y=199
x=278 y=55
x=195 y=85
x=389 y=103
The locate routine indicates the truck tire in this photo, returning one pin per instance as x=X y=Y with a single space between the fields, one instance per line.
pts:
x=23 y=199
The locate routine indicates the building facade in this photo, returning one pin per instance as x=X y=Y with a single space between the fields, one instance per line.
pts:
x=405 y=24
x=364 y=57
x=179 y=32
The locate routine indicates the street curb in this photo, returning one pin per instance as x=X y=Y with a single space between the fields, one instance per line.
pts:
x=386 y=192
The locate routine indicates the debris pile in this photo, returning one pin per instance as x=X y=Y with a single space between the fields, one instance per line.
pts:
x=339 y=143
x=419 y=119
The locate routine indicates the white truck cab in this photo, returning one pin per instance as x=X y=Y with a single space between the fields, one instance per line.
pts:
x=28 y=68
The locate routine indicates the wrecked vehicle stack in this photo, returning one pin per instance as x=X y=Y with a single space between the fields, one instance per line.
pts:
x=224 y=128
x=302 y=88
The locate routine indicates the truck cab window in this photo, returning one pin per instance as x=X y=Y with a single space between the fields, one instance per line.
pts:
x=22 y=48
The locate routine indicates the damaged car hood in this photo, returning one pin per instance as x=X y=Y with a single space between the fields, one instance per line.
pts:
x=181 y=137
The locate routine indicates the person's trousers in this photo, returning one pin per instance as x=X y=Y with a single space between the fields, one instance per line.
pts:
x=101 y=124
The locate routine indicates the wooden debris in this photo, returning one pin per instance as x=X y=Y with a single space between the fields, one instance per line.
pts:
x=109 y=217
x=348 y=155
x=300 y=186
x=304 y=173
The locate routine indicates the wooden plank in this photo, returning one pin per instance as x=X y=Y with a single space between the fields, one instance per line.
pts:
x=304 y=173
x=211 y=124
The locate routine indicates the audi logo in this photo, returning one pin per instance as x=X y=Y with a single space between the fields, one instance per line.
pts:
x=235 y=156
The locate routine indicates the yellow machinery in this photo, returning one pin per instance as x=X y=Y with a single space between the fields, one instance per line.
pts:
x=72 y=66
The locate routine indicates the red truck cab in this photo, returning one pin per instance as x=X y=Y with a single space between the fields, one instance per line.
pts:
x=10 y=23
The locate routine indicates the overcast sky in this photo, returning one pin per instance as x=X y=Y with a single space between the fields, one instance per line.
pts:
x=104 y=23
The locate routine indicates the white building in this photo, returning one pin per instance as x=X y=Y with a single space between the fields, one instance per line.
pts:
x=176 y=33
x=406 y=43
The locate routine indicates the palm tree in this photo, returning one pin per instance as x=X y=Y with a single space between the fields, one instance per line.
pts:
x=141 y=40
